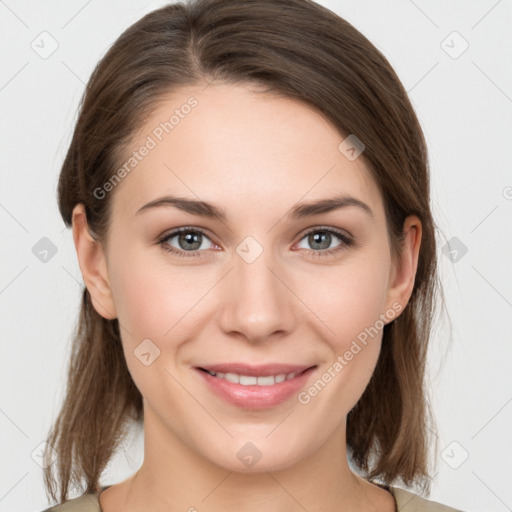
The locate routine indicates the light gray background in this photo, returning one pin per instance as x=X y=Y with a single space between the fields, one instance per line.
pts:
x=465 y=107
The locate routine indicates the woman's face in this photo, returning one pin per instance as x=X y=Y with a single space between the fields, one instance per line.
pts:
x=261 y=283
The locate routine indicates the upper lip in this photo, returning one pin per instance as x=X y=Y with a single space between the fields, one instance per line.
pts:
x=264 y=370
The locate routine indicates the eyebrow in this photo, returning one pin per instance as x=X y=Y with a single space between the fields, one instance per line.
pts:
x=298 y=211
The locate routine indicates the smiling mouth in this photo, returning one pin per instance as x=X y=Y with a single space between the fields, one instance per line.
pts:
x=250 y=387
x=252 y=380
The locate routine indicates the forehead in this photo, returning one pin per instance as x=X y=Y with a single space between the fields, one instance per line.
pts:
x=233 y=144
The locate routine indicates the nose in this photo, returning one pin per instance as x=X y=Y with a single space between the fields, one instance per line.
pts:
x=258 y=301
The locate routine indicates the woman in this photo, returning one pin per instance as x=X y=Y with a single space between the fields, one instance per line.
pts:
x=248 y=190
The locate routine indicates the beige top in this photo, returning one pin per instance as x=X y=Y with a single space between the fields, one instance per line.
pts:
x=406 y=501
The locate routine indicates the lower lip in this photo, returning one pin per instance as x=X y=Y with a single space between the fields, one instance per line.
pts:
x=253 y=396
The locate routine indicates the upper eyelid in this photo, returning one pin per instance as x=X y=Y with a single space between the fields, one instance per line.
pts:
x=177 y=231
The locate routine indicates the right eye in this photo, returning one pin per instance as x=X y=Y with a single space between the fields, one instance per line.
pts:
x=185 y=240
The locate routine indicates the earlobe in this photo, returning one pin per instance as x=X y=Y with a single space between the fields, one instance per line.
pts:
x=92 y=261
x=404 y=273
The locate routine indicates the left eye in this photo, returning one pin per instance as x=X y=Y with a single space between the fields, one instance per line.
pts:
x=321 y=239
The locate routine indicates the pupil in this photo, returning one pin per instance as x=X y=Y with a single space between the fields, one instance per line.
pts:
x=322 y=239
x=190 y=238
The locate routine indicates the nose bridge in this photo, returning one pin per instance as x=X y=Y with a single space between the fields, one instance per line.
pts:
x=257 y=302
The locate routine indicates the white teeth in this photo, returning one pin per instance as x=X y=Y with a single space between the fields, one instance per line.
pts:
x=247 y=380
x=266 y=381
x=250 y=380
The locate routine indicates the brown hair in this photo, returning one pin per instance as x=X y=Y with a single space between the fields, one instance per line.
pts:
x=297 y=49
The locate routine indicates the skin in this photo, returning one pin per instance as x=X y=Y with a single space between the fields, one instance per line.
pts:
x=254 y=155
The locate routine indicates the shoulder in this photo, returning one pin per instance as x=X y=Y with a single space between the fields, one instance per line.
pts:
x=87 y=502
x=407 y=501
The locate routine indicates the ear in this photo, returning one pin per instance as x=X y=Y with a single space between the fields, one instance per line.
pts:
x=403 y=273
x=93 y=265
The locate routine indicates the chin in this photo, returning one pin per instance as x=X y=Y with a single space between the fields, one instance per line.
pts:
x=255 y=454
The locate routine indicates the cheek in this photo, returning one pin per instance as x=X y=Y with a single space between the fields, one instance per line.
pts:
x=158 y=301
x=149 y=299
x=350 y=298
x=350 y=301
x=155 y=309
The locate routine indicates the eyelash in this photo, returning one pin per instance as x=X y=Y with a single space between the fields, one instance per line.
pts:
x=322 y=253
